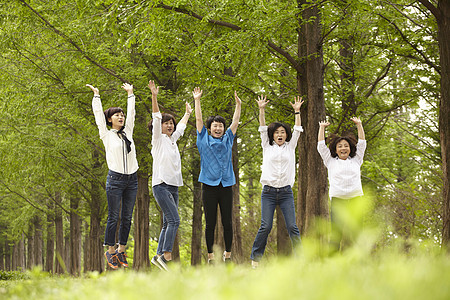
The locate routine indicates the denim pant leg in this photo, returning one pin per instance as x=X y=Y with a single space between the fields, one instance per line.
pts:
x=121 y=189
x=167 y=198
x=162 y=236
x=128 y=202
x=268 y=204
x=287 y=206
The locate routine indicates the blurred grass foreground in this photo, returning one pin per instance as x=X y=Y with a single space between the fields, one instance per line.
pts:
x=365 y=270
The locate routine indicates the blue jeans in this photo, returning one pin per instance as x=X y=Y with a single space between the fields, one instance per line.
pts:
x=270 y=198
x=121 y=189
x=167 y=198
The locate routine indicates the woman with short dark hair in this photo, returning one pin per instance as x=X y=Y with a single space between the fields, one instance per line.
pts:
x=166 y=176
x=216 y=172
x=121 y=182
x=343 y=159
x=278 y=176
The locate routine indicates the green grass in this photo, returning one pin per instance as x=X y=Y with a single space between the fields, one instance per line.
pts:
x=360 y=273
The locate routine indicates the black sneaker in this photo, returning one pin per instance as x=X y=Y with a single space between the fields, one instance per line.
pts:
x=163 y=262
x=111 y=259
x=155 y=262
x=122 y=258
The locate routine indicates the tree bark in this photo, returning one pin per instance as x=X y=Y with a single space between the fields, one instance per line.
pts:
x=141 y=223
x=75 y=237
x=38 y=242
x=312 y=173
x=50 y=244
x=237 y=234
x=444 y=112
x=283 y=241
x=30 y=247
x=196 y=239
x=95 y=261
x=8 y=253
x=60 y=268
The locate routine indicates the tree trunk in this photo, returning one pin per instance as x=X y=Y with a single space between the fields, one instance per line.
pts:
x=237 y=234
x=283 y=241
x=67 y=254
x=141 y=223
x=8 y=253
x=38 y=242
x=312 y=173
x=75 y=238
x=60 y=268
x=50 y=245
x=196 y=239
x=95 y=261
x=30 y=248
x=176 y=248
x=444 y=111
x=2 y=255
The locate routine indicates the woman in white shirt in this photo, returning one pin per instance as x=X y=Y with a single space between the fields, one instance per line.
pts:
x=277 y=177
x=121 y=182
x=343 y=160
x=166 y=177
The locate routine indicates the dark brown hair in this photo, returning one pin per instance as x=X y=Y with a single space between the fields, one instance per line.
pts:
x=165 y=118
x=274 y=126
x=216 y=118
x=110 y=112
x=335 y=139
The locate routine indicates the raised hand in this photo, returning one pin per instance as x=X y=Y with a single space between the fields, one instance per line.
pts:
x=152 y=86
x=356 y=120
x=128 y=87
x=94 y=89
x=197 y=93
x=324 y=124
x=297 y=103
x=238 y=101
x=262 y=101
x=188 y=108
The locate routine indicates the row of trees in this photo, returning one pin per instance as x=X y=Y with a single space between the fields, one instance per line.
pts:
x=385 y=62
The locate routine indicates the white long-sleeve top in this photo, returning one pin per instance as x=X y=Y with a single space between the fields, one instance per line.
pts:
x=278 y=168
x=344 y=176
x=117 y=157
x=166 y=156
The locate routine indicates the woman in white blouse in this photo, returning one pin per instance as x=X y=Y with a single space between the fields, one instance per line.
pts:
x=343 y=160
x=277 y=177
x=121 y=182
x=166 y=177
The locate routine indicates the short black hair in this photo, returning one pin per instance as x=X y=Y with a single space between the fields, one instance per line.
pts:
x=274 y=126
x=110 y=112
x=335 y=139
x=216 y=118
x=165 y=118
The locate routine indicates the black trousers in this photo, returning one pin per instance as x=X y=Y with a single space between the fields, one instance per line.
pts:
x=222 y=196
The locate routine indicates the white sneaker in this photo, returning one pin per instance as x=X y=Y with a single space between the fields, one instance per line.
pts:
x=155 y=262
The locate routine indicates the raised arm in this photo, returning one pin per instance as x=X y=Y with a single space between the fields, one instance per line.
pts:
x=262 y=102
x=197 y=93
x=237 y=114
x=152 y=86
x=94 y=89
x=322 y=125
x=188 y=112
x=296 y=106
x=360 y=128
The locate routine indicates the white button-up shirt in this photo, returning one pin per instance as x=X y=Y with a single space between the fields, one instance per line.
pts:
x=278 y=168
x=344 y=176
x=166 y=156
x=117 y=157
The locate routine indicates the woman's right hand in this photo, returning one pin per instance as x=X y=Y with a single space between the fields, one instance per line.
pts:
x=324 y=124
x=197 y=93
x=152 y=86
x=262 y=101
x=94 y=89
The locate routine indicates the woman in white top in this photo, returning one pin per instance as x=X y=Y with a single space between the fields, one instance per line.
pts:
x=166 y=177
x=277 y=177
x=343 y=160
x=121 y=182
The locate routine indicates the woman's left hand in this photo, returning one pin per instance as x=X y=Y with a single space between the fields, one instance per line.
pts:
x=297 y=103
